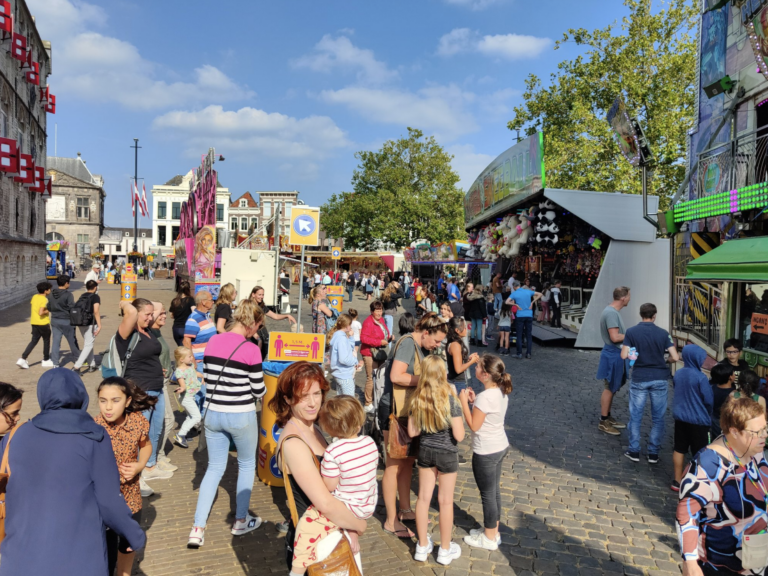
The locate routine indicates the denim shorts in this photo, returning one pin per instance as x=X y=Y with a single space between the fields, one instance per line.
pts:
x=505 y=328
x=445 y=462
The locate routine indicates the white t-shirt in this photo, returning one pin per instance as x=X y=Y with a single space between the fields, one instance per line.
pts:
x=355 y=460
x=491 y=437
x=356 y=327
x=92 y=276
x=318 y=279
x=510 y=281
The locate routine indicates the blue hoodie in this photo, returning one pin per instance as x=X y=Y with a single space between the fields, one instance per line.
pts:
x=693 y=392
x=343 y=358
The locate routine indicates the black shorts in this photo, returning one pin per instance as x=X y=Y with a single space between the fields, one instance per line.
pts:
x=693 y=436
x=445 y=462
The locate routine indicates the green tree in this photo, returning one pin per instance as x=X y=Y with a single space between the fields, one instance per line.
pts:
x=403 y=192
x=651 y=61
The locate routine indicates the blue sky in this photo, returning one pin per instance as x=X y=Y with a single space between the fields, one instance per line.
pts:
x=288 y=91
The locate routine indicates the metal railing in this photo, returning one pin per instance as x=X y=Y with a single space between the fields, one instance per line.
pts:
x=739 y=162
x=698 y=310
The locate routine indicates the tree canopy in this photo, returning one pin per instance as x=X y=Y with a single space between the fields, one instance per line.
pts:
x=403 y=192
x=651 y=61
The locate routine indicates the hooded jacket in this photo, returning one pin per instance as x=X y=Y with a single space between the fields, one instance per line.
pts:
x=693 y=393
x=60 y=302
x=64 y=488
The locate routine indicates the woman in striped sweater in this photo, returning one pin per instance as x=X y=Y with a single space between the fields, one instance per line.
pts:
x=230 y=416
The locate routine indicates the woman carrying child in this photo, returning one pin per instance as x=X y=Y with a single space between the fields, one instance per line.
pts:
x=121 y=404
x=489 y=443
x=435 y=417
x=301 y=390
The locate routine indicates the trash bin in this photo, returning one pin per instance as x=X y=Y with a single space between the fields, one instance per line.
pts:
x=269 y=433
x=128 y=291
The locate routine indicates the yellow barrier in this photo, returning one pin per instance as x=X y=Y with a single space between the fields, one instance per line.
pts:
x=128 y=291
x=269 y=434
x=111 y=278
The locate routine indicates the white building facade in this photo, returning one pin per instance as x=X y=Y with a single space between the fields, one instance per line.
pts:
x=166 y=213
x=269 y=203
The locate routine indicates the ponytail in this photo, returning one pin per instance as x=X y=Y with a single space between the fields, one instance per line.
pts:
x=494 y=367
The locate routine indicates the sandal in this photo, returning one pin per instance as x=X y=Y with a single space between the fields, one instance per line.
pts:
x=403 y=532
x=403 y=511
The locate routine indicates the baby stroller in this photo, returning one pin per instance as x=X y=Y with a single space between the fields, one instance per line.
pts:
x=372 y=427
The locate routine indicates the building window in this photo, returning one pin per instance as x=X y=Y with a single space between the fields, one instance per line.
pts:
x=243 y=203
x=243 y=223
x=266 y=211
x=83 y=210
x=176 y=211
x=161 y=240
x=127 y=233
x=83 y=238
x=174 y=233
x=143 y=234
x=219 y=212
x=161 y=210
x=233 y=225
x=255 y=223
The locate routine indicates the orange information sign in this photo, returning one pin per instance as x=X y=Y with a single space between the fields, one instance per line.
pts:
x=288 y=346
x=334 y=290
x=759 y=323
x=128 y=277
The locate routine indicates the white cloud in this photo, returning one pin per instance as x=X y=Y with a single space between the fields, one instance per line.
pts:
x=506 y=46
x=474 y=4
x=249 y=130
x=439 y=110
x=100 y=68
x=468 y=163
x=496 y=103
x=339 y=53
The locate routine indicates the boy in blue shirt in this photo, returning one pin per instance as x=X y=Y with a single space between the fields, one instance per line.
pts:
x=692 y=409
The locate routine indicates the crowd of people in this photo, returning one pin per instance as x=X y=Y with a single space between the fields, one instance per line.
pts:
x=423 y=388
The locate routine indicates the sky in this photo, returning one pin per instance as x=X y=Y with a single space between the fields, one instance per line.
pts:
x=288 y=91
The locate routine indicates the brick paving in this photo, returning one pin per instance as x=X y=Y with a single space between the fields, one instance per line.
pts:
x=572 y=504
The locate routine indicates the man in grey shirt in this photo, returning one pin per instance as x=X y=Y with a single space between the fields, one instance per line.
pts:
x=612 y=368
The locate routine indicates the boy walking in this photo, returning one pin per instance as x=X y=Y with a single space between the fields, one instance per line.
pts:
x=60 y=302
x=691 y=409
x=41 y=327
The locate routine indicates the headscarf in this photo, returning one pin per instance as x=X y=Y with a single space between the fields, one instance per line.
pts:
x=63 y=402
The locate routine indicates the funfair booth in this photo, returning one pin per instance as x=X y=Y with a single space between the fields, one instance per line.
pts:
x=591 y=241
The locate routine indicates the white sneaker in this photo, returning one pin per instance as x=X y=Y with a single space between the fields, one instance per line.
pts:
x=476 y=531
x=167 y=466
x=21 y=363
x=445 y=557
x=480 y=540
x=146 y=489
x=196 y=537
x=248 y=525
x=47 y=364
x=368 y=408
x=422 y=554
x=156 y=474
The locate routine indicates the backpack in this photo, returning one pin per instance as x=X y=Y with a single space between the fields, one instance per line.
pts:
x=81 y=313
x=111 y=363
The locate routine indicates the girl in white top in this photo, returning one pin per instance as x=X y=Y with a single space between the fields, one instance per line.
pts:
x=489 y=443
x=356 y=327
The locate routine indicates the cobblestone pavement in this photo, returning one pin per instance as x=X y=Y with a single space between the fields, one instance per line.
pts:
x=572 y=504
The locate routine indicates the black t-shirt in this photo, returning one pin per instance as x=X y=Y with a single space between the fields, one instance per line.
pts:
x=95 y=299
x=144 y=368
x=720 y=395
x=181 y=312
x=222 y=311
x=443 y=440
x=736 y=369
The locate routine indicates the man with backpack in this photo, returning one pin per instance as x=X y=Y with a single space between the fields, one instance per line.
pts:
x=85 y=315
x=60 y=303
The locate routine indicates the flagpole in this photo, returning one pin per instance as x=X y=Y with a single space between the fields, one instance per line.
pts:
x=136 y=183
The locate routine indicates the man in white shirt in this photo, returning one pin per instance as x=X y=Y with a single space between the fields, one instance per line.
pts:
x=512 y=280
x=318 y=278
x=93 y=274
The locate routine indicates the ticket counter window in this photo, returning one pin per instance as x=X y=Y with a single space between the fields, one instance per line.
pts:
x=753 y=316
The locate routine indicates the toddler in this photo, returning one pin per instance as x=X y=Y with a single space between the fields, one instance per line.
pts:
x=190 y=382
x=349 y=472
x=356 y=328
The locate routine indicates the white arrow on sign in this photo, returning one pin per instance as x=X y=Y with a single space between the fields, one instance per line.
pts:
x=304 y=226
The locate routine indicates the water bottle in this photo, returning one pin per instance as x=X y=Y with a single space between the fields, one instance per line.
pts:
x=632 y=356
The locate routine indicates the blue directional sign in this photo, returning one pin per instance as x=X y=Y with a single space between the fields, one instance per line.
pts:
x=335 y=253
x=305 y=226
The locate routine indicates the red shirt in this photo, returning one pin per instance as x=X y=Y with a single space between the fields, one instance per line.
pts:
x=372 y=334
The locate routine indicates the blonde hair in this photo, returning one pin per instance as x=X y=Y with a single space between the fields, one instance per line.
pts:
x=342 y=416
x=248 y=314
x=389 y=291
x=430 y=405
x=180 y=353
x=313 y=293
x=342 y=323
x=227 y=294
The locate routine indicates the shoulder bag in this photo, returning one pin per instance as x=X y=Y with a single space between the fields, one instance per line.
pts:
x=202 y=444
x=340 y=562
x=399 y=442
x=379 y=353
x=5 y=475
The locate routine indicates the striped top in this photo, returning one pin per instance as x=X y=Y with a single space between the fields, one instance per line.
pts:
x=355 y=460
x=200 y=329
x=241 y=383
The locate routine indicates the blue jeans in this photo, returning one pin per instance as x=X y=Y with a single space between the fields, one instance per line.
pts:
x=476 y=331
x=345 y=387
x=407 y=291
x=638 y=395
x=390 y=320
x=498 y=301
x=524 y=325
x=156 y=416
x=220 y=429
x=350 y=291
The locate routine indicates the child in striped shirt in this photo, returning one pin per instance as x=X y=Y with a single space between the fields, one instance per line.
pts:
x=349 y=472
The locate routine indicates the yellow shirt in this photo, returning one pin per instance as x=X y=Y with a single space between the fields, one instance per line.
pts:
x=39 y=301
